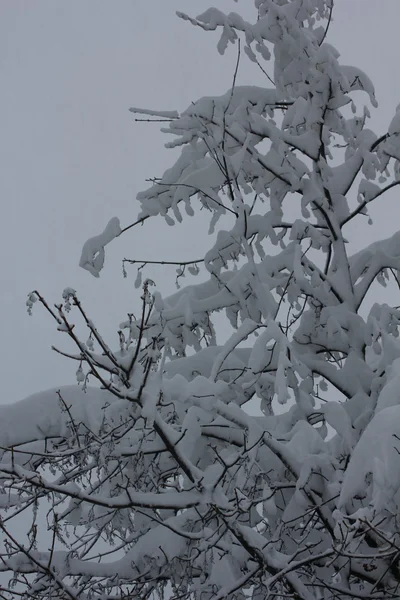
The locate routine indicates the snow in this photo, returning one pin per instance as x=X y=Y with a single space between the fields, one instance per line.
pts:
x=358 y=80
x=166 y=114
x=394 y=127
x=93 y=253
x=390 y=393
x=247 y=327
x=171 y=463
x=337 y=417
x=377 y=453
x=41 y=415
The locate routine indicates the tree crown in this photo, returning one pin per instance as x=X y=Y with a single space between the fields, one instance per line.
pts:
x=164 y=482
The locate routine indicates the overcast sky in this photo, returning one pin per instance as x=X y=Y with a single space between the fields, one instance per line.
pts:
x=72 y=157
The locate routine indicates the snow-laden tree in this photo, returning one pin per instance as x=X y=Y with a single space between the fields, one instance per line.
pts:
x=265 y=465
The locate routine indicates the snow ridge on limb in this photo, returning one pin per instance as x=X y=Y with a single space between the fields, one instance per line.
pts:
x=93 y=254
x=193 y=494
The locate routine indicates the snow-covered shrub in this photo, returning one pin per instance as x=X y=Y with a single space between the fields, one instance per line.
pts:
x=165 y=482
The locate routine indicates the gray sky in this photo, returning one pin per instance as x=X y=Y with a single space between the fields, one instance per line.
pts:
x=71 y=156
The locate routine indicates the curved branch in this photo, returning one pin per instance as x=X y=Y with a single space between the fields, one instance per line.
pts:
x=363 y=204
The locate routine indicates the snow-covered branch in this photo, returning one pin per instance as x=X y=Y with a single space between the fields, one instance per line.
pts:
x=260 y=463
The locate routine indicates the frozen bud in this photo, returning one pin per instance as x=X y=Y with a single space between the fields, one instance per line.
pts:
x=122 y=340
x=68 y=293
x=32 y=298
x=80 y=375
x=138 y=280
